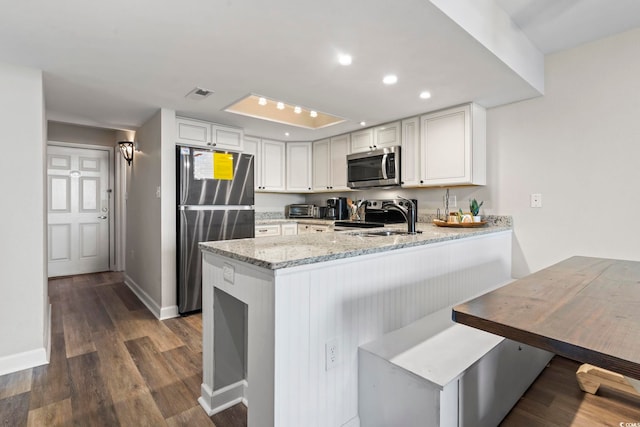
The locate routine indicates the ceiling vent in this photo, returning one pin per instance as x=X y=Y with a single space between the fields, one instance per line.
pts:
x=198 y=93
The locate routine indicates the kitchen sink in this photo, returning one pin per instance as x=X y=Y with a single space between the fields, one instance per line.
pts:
x=379 y=233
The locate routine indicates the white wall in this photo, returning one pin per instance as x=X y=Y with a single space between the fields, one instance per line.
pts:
x=168 y=212
x=579 y=146
x=24 y=307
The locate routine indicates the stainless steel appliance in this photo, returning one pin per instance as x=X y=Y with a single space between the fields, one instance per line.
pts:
x=300 y=211
x=377 y=214
x=215 y=196
x=337 y=208
x=377 y=168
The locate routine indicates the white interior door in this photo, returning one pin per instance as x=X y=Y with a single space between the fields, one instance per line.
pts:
x=78 y=210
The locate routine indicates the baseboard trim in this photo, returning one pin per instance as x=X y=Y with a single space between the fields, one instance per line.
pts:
x=219 y=400
x=161 y=313
x=25 y=360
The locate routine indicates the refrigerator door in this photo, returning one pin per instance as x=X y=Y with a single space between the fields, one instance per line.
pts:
x=207 y=177
x=201 y=224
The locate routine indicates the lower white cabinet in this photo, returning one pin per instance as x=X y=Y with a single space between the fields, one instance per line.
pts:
x=289 y=229
x=313 y=228
x=267 y=230
x=286 y=229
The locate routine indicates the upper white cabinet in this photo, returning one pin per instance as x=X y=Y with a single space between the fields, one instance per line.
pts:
x=330 y=163
x=453 y=146
x=410 y=152
x=298 y=167
x=378 y=137
x=269 y=163
x=205 y=134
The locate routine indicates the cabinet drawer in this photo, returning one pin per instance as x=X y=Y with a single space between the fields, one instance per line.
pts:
x=267 y=230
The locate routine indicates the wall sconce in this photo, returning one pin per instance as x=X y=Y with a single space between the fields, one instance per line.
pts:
x=126 y=148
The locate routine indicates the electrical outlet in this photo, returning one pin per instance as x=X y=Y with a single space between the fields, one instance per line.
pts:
x=452 y=201
x=332 y=354
x=536 y=200
x=228 y=273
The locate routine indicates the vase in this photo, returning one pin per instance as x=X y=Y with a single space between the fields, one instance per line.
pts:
x=477 y=218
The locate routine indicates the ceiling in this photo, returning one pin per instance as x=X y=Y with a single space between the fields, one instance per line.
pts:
x=112 y=64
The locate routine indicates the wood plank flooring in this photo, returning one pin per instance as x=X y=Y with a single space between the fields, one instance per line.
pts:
x=114 y=364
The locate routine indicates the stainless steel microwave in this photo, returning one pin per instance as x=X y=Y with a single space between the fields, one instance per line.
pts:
x=377 y=168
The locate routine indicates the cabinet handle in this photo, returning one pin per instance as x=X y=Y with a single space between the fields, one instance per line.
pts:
x=421 y=182
x=262 y=231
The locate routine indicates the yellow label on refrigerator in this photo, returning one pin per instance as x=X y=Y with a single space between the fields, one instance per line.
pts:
x=223 y=166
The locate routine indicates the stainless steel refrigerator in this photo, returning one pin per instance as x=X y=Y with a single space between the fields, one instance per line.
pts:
x=215 y=196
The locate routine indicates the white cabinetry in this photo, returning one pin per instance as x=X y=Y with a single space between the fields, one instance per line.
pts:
x=205 y=134
x=453 y=146
x=378 y=137
x=267 y=230
x=410 y=152
x=313 y=228
x=289 y=229
x=299 y=167
x=330 y=163
x=269 y=163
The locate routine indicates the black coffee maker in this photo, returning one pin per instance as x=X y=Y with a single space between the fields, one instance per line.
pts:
x=337 y=208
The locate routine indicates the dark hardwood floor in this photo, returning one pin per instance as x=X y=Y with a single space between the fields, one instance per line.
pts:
x=114 y=364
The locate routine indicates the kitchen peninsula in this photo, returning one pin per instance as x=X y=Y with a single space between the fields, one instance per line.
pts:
x=283 y=317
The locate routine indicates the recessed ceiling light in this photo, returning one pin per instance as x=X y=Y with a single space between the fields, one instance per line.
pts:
x=313 y=113
x=425 y=94
x=280 y=105
x=262 y=101
x=363 y=123
x=344 y=59
x=297 y=109
x=286 y=134
x=390 y=79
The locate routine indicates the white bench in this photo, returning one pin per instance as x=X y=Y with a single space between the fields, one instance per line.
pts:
x=435 y=372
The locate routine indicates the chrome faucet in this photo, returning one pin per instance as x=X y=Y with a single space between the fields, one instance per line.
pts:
x=409 y=213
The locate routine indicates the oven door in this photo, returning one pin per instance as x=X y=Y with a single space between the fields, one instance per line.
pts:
x=378 y=168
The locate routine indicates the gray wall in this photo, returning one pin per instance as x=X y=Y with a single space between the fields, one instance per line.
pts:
x=77 y=134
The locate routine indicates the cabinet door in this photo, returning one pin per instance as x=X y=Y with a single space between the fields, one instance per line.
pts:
x=289 y=229
x=446 y=146
x=362 y=141
x=227 y=138
x=410 y=152
x=193 y=132
x=321 y=165
x=273 y=165
x=339 y=148
x=386 y=135
x=299 y=167
x=252 y=146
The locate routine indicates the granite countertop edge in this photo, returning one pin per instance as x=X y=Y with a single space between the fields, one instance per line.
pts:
x=239 y=250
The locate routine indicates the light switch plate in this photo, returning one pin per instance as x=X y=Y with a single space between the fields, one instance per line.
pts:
x=536 y=200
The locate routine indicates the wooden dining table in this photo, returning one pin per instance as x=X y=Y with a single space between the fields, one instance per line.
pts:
x=585 y=309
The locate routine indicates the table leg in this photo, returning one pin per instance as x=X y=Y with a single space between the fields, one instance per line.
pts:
x=590 y=378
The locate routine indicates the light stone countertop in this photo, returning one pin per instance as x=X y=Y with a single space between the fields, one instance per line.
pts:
x=279 y=252
x=315 y=221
